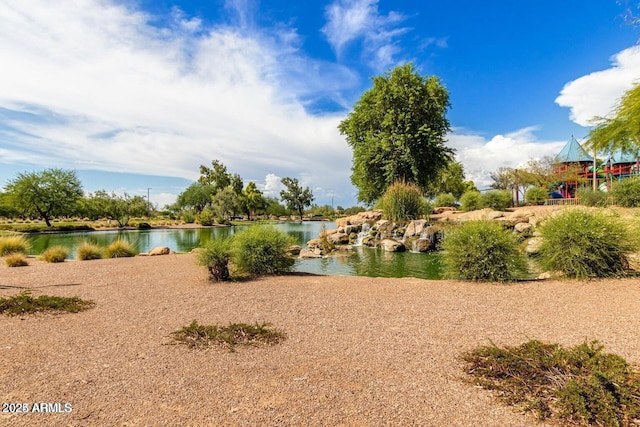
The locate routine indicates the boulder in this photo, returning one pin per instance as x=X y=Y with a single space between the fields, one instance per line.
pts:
x=443 y=209
x=522 y=227
x=294 y=250
x=306 y=253
x=422 y=245
x=391 y=245
x=360 y=218
x=160 y=250
x=533 y=246
x=339 y=238
x=415 y=228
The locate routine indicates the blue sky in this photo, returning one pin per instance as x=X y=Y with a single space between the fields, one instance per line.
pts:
x=136 y=94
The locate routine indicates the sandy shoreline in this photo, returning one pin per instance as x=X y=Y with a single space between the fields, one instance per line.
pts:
x=360 y=351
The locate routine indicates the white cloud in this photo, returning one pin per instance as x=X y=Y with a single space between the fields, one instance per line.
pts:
x=350 y=20
x=597 y=93
x=481 y=156
x=99 y=85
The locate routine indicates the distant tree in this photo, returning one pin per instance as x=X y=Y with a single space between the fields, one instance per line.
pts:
x=217 y=175
x=295 y=196
x=197 y=196
x=46 y=194
x=397 y=131
x=117 y=208
x=236 y=183
x=451 y=179
x=7 y=206
x=252 y=199
x=274 y=207
x=514 y=180
x=622 y=131
x=226 y=203
x=541 y=171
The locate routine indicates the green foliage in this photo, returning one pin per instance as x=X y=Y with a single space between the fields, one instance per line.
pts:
x=24 y=303
x=216 y=176
x=353 y=210
x=13 y=243
x=295 y=196
x=621 y=131
x=536 y=196
x=397 y=131
x=482 y=251
x=215 y=257
x=16 y=259
x=197 y=196
x=262 y=249
x=120 y=249
x=403 y=201
x=52 y=192
x=626 y=192
x=226 y=203
x=451 y=180
x=252 y=199
x=588 y=197
x=188 y=217
x=143 y=226
x=578 y=385
x=88 y=251
x=206 y=217
x=273 y=207
x=203 y=336
x=471 y=201
x=498 y=200
x=584 y=243
x=445 y=199
x=117 y=208
x=55 y=254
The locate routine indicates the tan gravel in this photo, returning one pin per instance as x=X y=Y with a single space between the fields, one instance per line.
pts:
x=360 y=351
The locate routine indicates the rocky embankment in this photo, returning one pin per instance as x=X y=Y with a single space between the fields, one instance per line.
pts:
x=369 y=229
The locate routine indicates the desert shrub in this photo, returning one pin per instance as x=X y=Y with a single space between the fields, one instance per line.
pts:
x=588 y=197
x=88 y=251
x=471 y=201
x=579 y=385
x=215 y=257
x=262 y=249
x=13 y=243
x=120 y=249
x=206 y=217
x=626 y=192
x=55 y=254
x=16 y=259
x=445 y=200
x=536 y=196
x=143 y=226
x=482 y=251
x=403 y=201
x=498 y=200
x=25 y=303
x=188 y=217
x=582 y=243
x=202 y=336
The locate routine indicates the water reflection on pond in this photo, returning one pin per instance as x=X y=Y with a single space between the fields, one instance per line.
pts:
x=359 y=262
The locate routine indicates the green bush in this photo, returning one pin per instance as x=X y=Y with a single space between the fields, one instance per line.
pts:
x=536 y=196
x=55 y=254
x=588 y=197
x=14 y=243
x=143 y=226
x=88 y=251
x=206 y=217
x=584 y=243
x=120 y=249
x=188 y=217
x=471 y=201
x=444 y=200
x=580 y=385
x=626 y=192
x=482 y=251
x=403 y=201
x=262 y=249
x=498 y=200
x=215 y=257
x=16 y=259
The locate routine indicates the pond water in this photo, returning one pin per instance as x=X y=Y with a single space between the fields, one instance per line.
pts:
x=361 y=261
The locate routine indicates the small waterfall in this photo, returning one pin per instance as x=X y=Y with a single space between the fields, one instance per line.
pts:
x=362 y=234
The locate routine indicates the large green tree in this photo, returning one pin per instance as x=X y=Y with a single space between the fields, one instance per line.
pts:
x=115 y=207
x=252 y=199
x=622 y=131
x=45 y=194
x=451 y=180
x=296 y=197
x=397 y=132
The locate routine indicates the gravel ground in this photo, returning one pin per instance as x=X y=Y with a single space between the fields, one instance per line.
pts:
x=360 y=351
